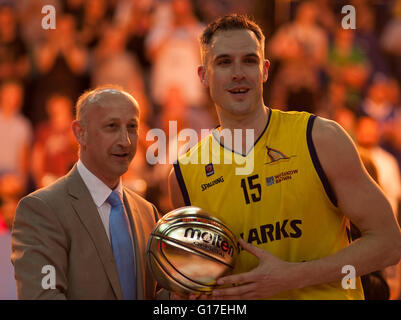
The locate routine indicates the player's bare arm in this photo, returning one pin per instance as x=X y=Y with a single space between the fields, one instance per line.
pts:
x=359 y=199
x=176 y=198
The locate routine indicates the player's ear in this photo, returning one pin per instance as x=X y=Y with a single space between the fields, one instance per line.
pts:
x=266 y=65
x=203 y=76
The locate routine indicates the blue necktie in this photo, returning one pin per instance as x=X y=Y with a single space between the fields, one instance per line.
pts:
x=122 y=247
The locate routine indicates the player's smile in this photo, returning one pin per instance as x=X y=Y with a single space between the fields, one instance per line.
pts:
x=239 y=93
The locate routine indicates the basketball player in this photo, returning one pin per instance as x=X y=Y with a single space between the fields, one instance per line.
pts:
x=293 y=211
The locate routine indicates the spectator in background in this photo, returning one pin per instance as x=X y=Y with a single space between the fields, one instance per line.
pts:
x=62 y=64
x=30 y=19
x=137 y=26
x=333 y=105
x=176 y=110
x=112 y=63
x=55 y=150
x=327 y=18
x=391 y=139
x=368 y=136
x=334 y=98
x=301 y=48
x=210 y=10
x=388 y=177
x=366 y=37
x=347 y=119
x=377 y=103
x=13 y=52
x=173 y=47
x=94 y=23
x=15 y=142
x=391 y=40
x=75 y=8
x=15 y=130
x=347 y=63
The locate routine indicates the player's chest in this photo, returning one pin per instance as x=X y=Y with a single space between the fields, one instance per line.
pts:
x=269 y=173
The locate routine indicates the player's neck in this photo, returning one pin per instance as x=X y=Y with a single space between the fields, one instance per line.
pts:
x=256 y=120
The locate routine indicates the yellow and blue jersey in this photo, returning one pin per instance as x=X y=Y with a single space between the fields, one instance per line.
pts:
x=285 y=205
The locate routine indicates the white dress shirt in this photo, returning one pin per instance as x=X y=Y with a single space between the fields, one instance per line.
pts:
x=100 y=192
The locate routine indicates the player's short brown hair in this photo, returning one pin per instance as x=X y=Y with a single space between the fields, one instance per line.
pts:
x=228 y=23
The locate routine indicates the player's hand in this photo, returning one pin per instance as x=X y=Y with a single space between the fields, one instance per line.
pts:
x=270 y=277
x=192 y=296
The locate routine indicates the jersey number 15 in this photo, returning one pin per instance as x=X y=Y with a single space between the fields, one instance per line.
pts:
x=249 y=185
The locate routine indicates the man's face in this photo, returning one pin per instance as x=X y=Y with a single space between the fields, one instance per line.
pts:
x=235 y=71
x=109 y=138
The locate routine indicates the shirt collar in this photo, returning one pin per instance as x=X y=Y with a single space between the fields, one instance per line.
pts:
x=97 y=188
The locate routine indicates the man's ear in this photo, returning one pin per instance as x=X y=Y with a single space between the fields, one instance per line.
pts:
x=79 y=132
x=203 y=76
x=266 y=65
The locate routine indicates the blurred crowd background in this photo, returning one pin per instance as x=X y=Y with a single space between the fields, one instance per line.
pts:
x=151 y=49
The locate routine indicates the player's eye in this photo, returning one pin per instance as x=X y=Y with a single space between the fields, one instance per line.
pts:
x=223 y=62
x=251 y=60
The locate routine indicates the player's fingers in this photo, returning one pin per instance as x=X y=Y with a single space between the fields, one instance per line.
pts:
x=237 y=279
x=176 y=296
x=257 y=252
x=197 y=296
x=233 y=291
x=227 y=298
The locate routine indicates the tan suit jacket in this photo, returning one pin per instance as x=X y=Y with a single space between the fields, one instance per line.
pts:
x=60 y=226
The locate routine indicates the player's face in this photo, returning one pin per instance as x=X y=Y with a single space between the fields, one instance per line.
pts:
x=235 y=71
x=109 y=138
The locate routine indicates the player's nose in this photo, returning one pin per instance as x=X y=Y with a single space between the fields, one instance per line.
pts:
x=238 y=72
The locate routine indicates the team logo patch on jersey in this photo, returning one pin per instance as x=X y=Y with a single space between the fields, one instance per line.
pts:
x=269 y=181
x=282 y=176
x=275 y=155
x=209 y=169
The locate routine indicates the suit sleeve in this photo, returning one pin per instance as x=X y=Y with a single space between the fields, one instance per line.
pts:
x=156 y=213
x=39 y=251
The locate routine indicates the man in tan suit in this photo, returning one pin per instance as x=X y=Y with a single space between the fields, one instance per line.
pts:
x=65 y=229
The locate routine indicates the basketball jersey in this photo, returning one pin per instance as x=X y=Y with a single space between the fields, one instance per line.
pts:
x=284 y=205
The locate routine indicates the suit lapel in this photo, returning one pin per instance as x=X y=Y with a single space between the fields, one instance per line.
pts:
x=137 y=233
x=87 y=211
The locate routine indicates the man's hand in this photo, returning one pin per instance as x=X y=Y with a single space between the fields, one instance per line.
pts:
x=270 y=277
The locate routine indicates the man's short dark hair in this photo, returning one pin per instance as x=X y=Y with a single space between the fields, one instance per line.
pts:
x=228 y=23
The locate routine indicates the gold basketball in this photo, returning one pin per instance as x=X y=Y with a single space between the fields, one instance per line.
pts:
x=189 y=250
